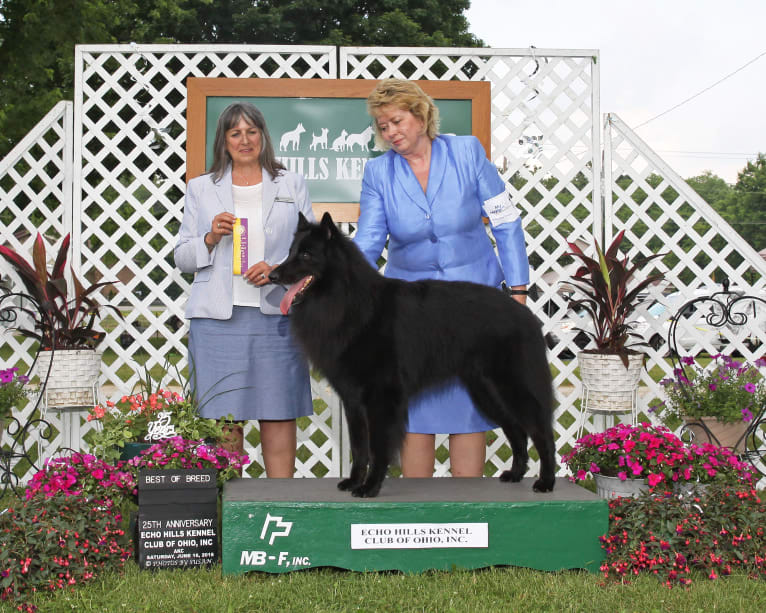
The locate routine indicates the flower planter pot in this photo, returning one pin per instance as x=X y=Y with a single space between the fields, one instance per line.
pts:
x=612 y=487
x=72 y=377
x=725 y=434
x=687 y=489
x=131 y=450
x=607 y=385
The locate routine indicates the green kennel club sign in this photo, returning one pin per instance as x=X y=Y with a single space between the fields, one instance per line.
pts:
x=327 y=140
x=320 y=127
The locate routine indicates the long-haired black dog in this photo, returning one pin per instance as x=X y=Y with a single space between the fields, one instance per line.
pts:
x=379 y=341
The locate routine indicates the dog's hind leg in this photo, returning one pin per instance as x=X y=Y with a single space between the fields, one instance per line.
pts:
x=360 y=447
x=489 y=401
x=517 y=438
x=542 y=437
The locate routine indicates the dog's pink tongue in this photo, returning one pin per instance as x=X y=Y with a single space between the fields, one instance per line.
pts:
x=289 y=296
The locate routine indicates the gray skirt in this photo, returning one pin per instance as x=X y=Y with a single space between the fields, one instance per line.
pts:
x=248 y=366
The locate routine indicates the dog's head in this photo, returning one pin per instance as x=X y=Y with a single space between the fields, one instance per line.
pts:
x=307 y=260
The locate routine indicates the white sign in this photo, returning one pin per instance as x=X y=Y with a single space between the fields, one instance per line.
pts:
x=418 y=536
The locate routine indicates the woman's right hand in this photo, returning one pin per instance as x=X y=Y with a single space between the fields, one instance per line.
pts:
x=222 y=225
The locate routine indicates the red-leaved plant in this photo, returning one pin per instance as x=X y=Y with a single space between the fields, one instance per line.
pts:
x=608 y=300
x=60 y=321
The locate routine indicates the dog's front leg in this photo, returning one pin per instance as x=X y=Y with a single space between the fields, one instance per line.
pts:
x=358 y=431
x=388 y=435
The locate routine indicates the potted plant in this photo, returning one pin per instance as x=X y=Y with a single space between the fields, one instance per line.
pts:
x=717 y=403
x=140 y=420
x=12 y=392
x=610 y=371
x=625 y=459
x=63 y=324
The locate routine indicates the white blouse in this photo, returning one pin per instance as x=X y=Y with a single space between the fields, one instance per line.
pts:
x=248 y=205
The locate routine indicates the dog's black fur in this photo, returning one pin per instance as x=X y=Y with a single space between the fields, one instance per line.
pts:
x=379 y=341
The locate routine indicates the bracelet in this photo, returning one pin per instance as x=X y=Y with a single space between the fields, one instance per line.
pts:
x=518 y=292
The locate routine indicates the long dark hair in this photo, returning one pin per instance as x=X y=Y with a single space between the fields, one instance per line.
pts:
x=228 y=120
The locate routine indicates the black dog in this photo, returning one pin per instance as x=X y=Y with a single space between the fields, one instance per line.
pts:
x=379 y=341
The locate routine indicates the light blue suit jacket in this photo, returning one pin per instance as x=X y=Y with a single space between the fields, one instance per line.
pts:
x=211 y=293
x=439 y=234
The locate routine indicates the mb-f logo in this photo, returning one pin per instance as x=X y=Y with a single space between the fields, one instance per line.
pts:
x=273 y=526
x=285 y=526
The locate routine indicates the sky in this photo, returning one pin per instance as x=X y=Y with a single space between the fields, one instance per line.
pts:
x=655 y=54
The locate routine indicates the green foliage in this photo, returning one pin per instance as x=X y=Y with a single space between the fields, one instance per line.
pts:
x=666 y=536
x=745 y=208
x=56 y=543
x=37 y=37
x=712 y=188
x=603 y=282
x=60 y=322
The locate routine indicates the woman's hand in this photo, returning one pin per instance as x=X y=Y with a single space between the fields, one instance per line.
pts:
x=258 y=274
x=221 y=226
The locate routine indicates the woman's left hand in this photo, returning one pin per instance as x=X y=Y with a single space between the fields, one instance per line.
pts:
x=258 y=274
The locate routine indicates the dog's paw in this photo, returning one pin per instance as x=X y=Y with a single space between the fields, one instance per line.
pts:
x=543 y=485
x=514 y=476
x=346 y=484
x=366 y=490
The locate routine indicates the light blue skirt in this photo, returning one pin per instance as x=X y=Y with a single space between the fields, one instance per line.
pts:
x=248 y=366
x=446 y=409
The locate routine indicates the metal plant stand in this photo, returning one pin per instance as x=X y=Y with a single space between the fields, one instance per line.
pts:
x=734 y=311
x=18 y=440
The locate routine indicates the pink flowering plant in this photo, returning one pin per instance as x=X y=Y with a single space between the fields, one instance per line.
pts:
x=178 y=452
x=677 y=540
x=83 y=474
x=12 y=391
x=57 y=542
x=708 y=463
x=644 y=451
x=728 y=389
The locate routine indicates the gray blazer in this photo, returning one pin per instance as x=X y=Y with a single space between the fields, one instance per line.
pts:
x=211 y=293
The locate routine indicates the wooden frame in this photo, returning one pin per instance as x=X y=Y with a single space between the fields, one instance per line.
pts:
x=200 y=89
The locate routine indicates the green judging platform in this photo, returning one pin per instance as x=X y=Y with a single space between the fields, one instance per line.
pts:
x=282 y=525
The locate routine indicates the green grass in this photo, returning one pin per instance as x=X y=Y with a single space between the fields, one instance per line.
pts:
x=493 y=589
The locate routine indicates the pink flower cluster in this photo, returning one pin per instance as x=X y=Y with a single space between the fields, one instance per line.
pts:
x=81 y=474
x=653 y=453
x=178 y=452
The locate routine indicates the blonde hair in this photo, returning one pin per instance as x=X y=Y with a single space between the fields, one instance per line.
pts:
x=407 y=96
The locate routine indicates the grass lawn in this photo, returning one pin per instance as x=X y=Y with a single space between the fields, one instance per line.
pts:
x=492 y=589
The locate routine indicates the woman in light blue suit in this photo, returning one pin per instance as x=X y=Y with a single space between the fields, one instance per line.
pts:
x=427 y=196
x=238 y=224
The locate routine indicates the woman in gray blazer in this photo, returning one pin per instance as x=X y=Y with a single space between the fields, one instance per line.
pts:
x=238 y=224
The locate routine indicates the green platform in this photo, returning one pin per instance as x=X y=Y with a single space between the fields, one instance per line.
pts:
x=281 y=525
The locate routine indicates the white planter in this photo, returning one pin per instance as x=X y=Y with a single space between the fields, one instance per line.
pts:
x=608 y=385
x=72 y=378
x=612 y=487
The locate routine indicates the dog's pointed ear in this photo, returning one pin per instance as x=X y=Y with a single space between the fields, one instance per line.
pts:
x=303 y=223
x=328 y=225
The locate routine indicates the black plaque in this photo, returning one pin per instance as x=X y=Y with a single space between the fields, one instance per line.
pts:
x=177 y=518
